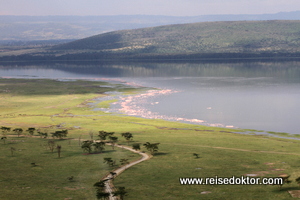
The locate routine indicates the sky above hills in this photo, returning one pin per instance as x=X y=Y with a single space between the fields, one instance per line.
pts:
x=145 y=7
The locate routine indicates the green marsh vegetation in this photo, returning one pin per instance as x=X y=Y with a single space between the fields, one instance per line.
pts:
x=221 y=152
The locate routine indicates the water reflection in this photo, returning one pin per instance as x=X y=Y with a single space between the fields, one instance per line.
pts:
x=282 y=70
x=256 y=95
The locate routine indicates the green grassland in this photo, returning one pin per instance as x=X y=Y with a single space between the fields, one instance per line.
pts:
x=53 y=105
x=19 y=179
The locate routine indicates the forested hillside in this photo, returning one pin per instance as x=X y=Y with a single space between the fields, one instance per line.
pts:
x=25 y=28
x=209 y=37
x=222 y=40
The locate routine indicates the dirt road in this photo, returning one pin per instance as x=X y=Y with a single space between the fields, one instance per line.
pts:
x=109 y=187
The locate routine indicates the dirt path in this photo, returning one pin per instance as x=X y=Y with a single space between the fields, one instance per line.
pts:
x=109 y=187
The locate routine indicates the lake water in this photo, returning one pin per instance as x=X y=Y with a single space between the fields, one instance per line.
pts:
x=251 y=95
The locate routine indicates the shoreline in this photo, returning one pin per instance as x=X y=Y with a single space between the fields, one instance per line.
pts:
x=130 y=107
x=133 y=106
x=215 y=57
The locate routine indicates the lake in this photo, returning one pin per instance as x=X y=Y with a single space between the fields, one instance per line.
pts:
x=251 y=95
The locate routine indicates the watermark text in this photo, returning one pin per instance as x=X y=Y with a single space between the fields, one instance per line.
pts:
x=243 y=180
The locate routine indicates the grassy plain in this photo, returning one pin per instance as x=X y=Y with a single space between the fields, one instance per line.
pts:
x=52 y=105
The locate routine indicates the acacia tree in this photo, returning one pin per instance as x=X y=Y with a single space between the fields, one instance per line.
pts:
x=18 y=131
x=51 y=145
x=128 y=136
x=12 y=149
x=99 y=186
x=41 y=134
x=113 y=141
x=3 y=138
x=136 y=146
x=60 y=134
x=103 y=134
x=124 y=161
x=102 y=195
x=153 y=148
x=58 y=150
x=113 y=174
x=109 y=161
x=99 y=146
x=5 y=130
x=285 y=180
x=120 y=192
x=31 y=131
x=196 y=155
x=87 y=145
x=70 y=178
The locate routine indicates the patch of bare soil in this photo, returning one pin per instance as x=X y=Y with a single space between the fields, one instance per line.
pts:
x=271 y=170
x=74 y=188
x=283 y=175
x=277 y=169
x=295 y=193
x=259 y=173
x=205 y=192
x=269 y=163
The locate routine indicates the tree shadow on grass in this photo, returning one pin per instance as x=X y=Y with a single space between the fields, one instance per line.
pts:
x=160 y=154
x=286 y=189
x=92 y=153
x=107 y=151
x=97 y=153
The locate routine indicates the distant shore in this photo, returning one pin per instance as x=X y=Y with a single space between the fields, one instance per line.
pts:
x=192 y=57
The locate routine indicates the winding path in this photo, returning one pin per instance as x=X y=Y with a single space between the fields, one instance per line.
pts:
x=109 y=187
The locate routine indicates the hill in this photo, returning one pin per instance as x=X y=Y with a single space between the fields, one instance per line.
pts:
x=16 y=28
x=209 y=37
x=242 y=39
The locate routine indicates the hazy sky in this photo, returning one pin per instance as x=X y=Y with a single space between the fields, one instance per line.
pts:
x=145 y=7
